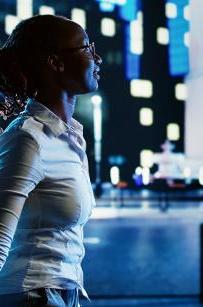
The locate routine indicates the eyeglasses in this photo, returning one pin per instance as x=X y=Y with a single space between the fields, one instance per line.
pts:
x=90 y=48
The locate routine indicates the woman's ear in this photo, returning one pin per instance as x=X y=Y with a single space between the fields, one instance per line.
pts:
x=55 y=63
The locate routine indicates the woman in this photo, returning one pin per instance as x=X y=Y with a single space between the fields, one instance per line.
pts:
x=45 y=191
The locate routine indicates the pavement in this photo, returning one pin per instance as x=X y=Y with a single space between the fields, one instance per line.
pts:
x=143 y=256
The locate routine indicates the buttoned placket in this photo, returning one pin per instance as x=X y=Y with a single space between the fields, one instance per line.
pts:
x=75 y=141
x=77 y=146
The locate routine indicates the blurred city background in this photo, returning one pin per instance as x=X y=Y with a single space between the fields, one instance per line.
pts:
x=143 y=129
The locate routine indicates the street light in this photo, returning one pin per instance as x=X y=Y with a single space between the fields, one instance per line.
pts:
x=97 y=120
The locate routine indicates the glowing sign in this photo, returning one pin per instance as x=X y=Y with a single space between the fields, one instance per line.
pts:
x=24 y=10
x=114 y=2
x=129 y=11
x=132 y=13
x=178 y=27
x=132 y=60
x=136 y=35
x=109 y=5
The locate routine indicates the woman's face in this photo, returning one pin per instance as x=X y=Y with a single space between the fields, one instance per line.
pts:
x=80 y=64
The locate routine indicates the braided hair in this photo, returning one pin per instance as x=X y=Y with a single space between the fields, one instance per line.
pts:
x=22 y=58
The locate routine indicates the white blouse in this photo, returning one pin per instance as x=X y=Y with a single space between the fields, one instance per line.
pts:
x=45 y=199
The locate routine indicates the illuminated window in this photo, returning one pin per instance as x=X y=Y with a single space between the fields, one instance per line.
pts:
x=117 y=2
x=141 y=88
x=146 y=175
x=187 y=39
x=79 y=16
x=114 y=175
x=146 y=158
x=106 y=7
x=120 y=2
x=173 y=132
x=92 y=240
x=186 y=12
x=171 y=10
x=187 y=172
x=181 y=91
x=44 y=9
x=138 y=170
x=146 y=117
x=10 y=23
x=108 y=27
x=162 y=36
x=24 y=8
x=136 y=34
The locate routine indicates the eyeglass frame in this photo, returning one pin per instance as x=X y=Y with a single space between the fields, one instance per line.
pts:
x=91 y=47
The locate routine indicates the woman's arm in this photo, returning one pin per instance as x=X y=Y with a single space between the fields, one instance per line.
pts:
x=20 y=172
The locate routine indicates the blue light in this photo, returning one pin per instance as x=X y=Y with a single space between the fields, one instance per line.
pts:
x=106 y=7
x=129 y=11
x=132 y=61
x=114 y=2
x=178 y=51
x=132 y=66
x=109 y=5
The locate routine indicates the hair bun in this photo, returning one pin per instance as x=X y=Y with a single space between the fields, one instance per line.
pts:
x=3 y=51
x=7 y=52
x=3 y=56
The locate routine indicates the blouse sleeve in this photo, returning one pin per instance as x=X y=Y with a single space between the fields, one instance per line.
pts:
x=20 y=171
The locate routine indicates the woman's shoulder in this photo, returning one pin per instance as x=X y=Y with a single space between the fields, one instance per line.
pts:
x=21 y=126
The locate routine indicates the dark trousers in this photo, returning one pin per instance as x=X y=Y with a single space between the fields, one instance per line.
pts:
x=41 y=297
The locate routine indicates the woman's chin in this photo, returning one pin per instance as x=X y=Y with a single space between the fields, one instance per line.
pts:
x=87 y=88
x=92 y=87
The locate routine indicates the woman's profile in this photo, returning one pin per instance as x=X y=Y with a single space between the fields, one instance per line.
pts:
x=45 y=191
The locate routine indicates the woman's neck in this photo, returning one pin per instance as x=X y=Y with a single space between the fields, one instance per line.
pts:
x=62 y=105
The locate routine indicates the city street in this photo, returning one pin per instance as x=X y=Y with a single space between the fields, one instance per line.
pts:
x=138 y=257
